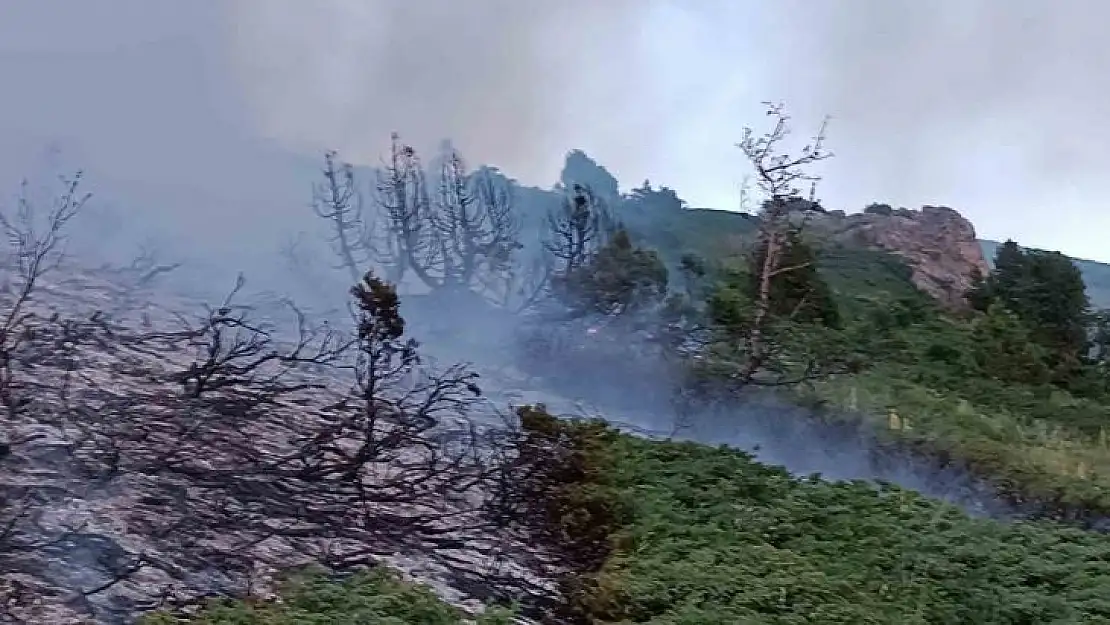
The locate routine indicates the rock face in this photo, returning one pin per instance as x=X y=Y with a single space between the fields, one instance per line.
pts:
x=938 y=243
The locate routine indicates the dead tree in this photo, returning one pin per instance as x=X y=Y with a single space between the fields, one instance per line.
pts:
x=404 y=205
x=455 y=230
x=573 y=234
x=370 y=455
x=34 y=339
x=231 y=433
x=777 y=176
x=577 y=230
x=34 y=249
x=338 y=201
x=146 y=266
x=477 y=225
x=459 y=237
x=138 y=277
x=231 y=352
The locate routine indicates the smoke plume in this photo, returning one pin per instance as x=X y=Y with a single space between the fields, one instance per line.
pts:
x=507 y=81
x=995 y=108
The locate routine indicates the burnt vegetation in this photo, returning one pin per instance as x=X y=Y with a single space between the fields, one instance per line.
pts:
x=294 y=441
x=241 y=441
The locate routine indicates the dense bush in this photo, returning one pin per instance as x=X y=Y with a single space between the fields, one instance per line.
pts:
x=718 y=538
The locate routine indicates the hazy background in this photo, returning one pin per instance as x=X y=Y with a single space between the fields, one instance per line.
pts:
x=208 y=116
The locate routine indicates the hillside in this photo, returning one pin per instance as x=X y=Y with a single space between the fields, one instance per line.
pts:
x=913 y=384
x=942 y=452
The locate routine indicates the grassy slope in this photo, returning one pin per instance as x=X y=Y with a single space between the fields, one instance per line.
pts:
x=1051 y=448
x=718 y=538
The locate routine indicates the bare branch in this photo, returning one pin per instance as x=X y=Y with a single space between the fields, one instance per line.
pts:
x=34 y=249
x=338 y=201
x=778 y=175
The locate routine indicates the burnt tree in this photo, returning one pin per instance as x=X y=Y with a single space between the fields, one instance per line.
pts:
x=345 y=446
x=575 y=232
x=454 y=229
x=337 y=201
x=34 y=249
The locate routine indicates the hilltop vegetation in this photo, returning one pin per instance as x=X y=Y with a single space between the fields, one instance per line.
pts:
x=705 y=535
x=1011 y=387
x=1095 y=275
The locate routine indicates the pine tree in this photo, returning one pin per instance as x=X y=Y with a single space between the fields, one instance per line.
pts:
x=620 y=279
x=1045 y=290
x=800 y=294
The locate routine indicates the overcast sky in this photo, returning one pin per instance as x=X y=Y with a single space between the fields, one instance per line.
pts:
x=196 y=107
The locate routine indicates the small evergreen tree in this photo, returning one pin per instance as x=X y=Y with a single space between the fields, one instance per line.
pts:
x=1046 y=292
x=1004 y=349
x=797 y=290
x=620 y=279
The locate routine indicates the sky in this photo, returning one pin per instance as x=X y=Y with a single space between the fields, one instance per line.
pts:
x=195 y=112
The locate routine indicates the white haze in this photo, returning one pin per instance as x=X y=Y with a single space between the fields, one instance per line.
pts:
x=993 y=108
x=202 y=122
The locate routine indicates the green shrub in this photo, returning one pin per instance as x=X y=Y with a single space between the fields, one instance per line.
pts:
x=377 y=596
x=718 y=538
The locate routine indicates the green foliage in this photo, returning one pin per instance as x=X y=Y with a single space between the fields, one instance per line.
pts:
x=798 y=292
x=661 y=532
x=1095 y=275
x=1004 y=349
x=1046 y=292
x=620 y=279
x=730 y=303
x=718 y=538
x=876 y=208
x=377 y=596
x=570 y=506
x=653 y=201
x=797 y=339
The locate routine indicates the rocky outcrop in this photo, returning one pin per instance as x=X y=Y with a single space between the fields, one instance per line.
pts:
x=938 y=243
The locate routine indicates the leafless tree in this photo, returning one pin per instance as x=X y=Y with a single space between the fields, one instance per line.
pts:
x=477 y=227
x=36 y=245
x=146 y=267
x=404 y=203
x=371 y=454
x=577 y=230
x=144 y=271
x=236 y=431
x=455 y=230
x=230 y=351
x=460 y=237
x=31 y=338
x=573 y=234
x=338 y=201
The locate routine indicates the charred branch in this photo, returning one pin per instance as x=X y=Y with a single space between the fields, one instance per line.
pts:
x=35 y=246
x=337 y=200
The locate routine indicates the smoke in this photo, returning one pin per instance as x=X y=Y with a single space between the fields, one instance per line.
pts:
x=995 y=108
x=194 y=115
x=508 y=81
x=205 y=119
